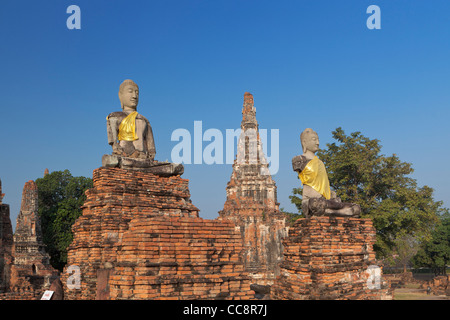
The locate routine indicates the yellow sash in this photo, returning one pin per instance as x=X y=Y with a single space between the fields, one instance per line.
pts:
x=127 y=128
x=315 y=176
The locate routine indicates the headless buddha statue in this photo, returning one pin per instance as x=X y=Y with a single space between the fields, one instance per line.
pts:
x=318 y=199
x=131 y=137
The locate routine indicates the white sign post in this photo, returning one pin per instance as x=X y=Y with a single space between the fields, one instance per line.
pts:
x=47 y=295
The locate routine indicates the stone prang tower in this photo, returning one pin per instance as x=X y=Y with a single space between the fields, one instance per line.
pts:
x=31 y=261
x=6 y=244
x=252 y=202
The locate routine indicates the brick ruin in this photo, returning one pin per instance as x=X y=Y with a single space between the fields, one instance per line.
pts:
x=26 y=269
x=140 y=237
x=330 y=258
x=31 y=261
x=6 y=244
x=252 y=205
x=439 y=285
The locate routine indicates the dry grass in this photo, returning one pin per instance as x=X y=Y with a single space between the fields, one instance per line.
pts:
x=415 y=294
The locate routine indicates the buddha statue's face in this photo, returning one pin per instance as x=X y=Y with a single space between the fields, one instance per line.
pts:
x=129 y=97
x=311 y=142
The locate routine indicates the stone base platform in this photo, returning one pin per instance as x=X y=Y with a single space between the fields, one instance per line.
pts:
x=180 y=258
x=330 y=258
x=165 y=169
x=140 y=237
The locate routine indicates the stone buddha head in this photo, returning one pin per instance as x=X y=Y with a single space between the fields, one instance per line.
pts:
x=309 y=140
x=129 y=95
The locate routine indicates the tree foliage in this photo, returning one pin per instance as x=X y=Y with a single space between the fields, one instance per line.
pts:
x=435 y=253
x=296 y=199
x=382 y=186
x=291 y=217
x=60 y=199
x=405 y=248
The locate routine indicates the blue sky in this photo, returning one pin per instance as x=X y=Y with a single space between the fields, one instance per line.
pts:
x=307 y=63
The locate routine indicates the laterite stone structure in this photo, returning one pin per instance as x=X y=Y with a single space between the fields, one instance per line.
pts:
x=25 y=270
x=6 y=244
x=140 y=237
x=180 y=258
x=31 y=267
x=252 y=204
x=330 y=258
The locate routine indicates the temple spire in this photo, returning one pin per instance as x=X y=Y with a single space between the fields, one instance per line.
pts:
x=31 y=261
x=249 y=113
x=252 y=202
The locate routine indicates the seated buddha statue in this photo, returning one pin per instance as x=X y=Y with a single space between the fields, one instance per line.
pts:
x=317 y=197
x=130 y=133
x=131 y=137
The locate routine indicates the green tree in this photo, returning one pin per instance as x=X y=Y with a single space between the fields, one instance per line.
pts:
x=405 y=248
x=296 y=199
x=290 y=217
x=382 y=186
x=60 y=199
x=436 y=252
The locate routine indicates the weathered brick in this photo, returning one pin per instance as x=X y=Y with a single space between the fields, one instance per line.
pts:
x=328 y=258
x=252 y=205
x=147 y=229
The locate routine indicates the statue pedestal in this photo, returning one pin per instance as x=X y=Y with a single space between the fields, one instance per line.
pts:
x=330 y=258
x=140 y=237
x=164 y=169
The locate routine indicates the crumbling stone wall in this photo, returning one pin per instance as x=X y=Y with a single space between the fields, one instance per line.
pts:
x=22 y=289
x=140 y=237
x=329 y=258
x=31 y=262
x=439 y=285
x=6 y=244
x=22 y=294
x=25 y=271
x=180 y=258
x=261 y=232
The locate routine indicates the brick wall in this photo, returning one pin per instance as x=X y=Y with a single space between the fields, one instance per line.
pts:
x=262 y=231
x=439 y=285
x=31 y=262
x=21 y=295
x=6 y=245
x=328 y=258
x=180 y=258
x=140 y=237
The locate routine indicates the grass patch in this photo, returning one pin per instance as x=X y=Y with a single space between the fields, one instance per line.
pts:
x=412 y=286
x=412 y=294
x=409 y=296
